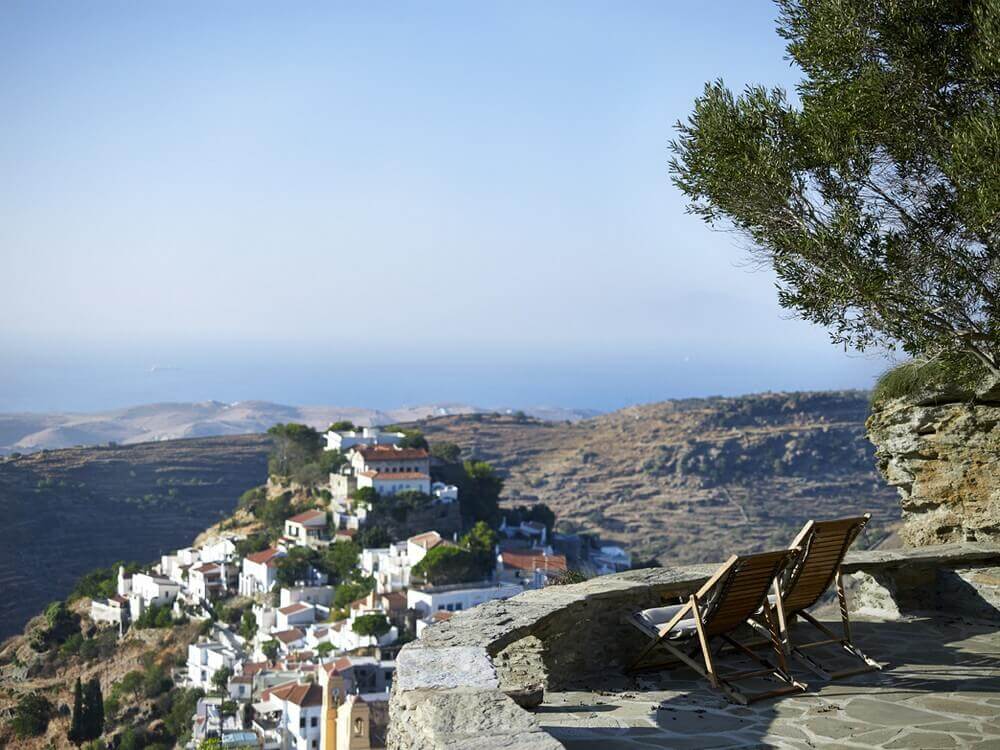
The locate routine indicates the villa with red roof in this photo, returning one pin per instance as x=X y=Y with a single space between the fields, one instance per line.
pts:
x=260 y=571
x=308 y=529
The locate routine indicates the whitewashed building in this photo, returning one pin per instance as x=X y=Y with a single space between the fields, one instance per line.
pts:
x=308 y=529
x=260 y=571
x=299 y=614
x=346 y=439
x=298 y=710
x=458 y=597
x=207 y=658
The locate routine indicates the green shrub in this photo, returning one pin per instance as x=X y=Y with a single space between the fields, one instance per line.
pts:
x=31 y=716
x=920 y=375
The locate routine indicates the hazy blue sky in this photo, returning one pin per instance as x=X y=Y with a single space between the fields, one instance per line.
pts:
x=301 y=201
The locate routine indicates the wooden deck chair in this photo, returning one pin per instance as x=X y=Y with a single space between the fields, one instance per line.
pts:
x=801 y=584
x=732 y=596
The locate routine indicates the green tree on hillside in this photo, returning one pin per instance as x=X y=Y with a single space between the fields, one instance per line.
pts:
x=374 y=625
x=479 y=493
x=93 y=710
x=292 y=446
x=876 y=197
x=31 y=716
x=444 y=565
x=344 y=425
x=481 y=543
x=447 y=452
x=75 y=732
x=296 y=565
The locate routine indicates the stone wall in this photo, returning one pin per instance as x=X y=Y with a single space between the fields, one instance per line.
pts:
x=944 y=458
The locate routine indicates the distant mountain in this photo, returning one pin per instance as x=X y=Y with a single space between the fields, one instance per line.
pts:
x=691 y=480
x=171 y=421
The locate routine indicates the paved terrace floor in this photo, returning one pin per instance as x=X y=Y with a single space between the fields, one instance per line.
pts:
x=940 y=688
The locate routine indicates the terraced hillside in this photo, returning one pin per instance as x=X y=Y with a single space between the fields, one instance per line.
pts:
x=68 y=511
x=691 y=480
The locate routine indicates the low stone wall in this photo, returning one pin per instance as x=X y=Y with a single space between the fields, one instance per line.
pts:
x=962 y=579
x=450 y=689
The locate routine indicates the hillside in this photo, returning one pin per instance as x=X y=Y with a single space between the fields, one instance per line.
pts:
x=69 y=511
x=679 y=480
x=690 y=480
x=24 y=432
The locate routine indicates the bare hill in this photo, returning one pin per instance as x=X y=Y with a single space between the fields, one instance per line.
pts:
x=691 y=480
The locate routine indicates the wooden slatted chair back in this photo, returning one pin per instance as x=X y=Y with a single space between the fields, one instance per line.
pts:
x=823 y=545
x=739 y=589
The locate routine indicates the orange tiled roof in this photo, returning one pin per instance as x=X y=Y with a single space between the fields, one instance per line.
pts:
x=533 y=561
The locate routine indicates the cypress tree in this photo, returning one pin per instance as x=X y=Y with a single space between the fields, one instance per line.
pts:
x=93 y=710
x=75 y=733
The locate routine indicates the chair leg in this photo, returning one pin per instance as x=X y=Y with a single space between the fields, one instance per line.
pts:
x=782 y=621
x=870 y=665
x=703 y=641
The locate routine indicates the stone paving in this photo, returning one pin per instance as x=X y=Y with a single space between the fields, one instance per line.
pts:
x=940 y=688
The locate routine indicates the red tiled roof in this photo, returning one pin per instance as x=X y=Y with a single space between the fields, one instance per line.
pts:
x=309 y=515
x=441 y=615
x=292 y=609
x=391 y=453
x=289 y=636
x=533 y=561
x=347 y=532
x=208 y=568
x=251 y=668
x=264 y=556
x=427 y=540
x=242 y=678
x=309 y=694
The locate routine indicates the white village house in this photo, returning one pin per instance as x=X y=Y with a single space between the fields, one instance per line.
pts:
x=260 y=570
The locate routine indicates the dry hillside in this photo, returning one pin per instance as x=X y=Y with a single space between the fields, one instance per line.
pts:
x=69 y=511
x=690 y=480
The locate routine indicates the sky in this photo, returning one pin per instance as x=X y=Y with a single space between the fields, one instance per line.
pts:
x=377 y=204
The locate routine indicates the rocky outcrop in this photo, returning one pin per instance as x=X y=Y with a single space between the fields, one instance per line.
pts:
x=943 y=458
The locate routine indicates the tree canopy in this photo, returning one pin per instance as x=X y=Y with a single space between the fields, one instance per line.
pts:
x=374 y=625
x=875 y=197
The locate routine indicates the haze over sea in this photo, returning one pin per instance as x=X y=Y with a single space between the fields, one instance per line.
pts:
x=97 y=378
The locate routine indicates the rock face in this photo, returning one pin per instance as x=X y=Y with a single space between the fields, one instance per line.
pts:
x=943 y=458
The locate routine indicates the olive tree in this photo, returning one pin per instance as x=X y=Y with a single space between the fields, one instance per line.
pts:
x=874 y=194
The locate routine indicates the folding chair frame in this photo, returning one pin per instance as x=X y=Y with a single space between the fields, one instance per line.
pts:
x=846 y=641
x=724 y=682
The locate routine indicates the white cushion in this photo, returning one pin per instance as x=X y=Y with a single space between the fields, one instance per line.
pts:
x=659 y=616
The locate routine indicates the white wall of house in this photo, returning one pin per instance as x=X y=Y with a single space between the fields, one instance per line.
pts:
x=456 y=599
x=154 y=590
x=256 y=578
x=205 y=659
x=106 y=611
x=285 y=621
x=392 y=486
x=301 y=726
x=221 y=549
x=311 y=594
x=389 y=566
x=345 y=440
x=446 y=494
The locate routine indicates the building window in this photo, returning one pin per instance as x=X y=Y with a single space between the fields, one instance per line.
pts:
x=302 y=722
x=458 y=607
x=312 y=721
